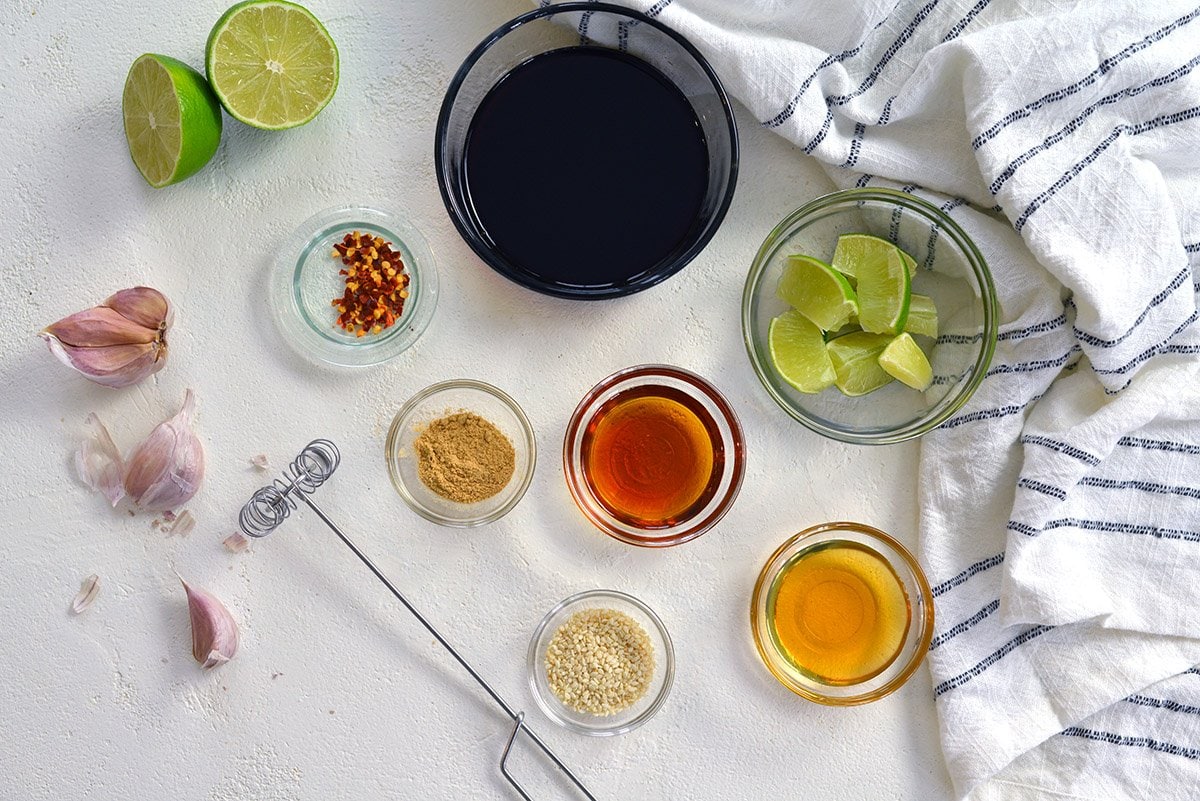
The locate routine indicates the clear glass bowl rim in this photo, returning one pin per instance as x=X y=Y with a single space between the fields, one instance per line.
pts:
x=668 y=663
x=962 y=241
x=481 y=247
x=774 y=661
x=690 y=529
x=425 y=394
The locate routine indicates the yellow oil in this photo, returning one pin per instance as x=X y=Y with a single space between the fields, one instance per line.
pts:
x=839 y=612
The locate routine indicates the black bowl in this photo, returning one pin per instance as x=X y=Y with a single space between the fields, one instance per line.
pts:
x=586 y=25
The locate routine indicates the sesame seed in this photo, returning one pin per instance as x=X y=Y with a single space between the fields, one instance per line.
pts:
x=600 y=662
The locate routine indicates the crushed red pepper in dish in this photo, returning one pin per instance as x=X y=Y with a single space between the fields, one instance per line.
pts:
x=376 y=284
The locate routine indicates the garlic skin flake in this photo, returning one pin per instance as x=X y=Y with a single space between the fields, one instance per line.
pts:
x=166 y=469
x=87 y=593
x=214 y=631
x=99 y=463
x=236 y=542
x=118 y=343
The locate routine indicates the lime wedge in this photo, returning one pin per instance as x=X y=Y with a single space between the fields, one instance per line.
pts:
x=798 y=352
x=922 y=317
x=855 y=359
x=271 y=63
x=904 y=360
x=817 y=291
x=172 y=120
x=884 y=294
x=910 y=264
x=855 y=249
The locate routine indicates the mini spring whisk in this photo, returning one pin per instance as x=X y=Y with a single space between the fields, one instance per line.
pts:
x=272 y=504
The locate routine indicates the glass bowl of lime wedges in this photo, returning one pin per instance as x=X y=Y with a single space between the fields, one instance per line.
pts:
x=869 y=316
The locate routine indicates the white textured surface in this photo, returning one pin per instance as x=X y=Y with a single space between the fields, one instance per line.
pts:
x=336 y=693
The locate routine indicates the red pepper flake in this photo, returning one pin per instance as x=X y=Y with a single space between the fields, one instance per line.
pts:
x=376 y=284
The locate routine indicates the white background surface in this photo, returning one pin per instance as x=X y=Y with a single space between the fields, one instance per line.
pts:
x=336 y=693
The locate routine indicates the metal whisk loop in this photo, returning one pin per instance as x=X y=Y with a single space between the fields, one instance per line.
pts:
x=271 y=505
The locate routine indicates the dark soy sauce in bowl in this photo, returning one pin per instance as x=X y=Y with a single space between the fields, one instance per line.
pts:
x=585 y=168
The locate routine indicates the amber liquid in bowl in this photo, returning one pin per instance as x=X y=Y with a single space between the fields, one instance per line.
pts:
x=838 y=612
x=652 y=456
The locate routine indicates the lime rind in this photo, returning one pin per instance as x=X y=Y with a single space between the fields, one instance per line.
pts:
x=272 y=64
x=172 y=119
x=798 y=352
x=819 y=292
x=904 y=360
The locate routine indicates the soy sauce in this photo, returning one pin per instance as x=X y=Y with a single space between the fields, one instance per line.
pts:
x=586 y=167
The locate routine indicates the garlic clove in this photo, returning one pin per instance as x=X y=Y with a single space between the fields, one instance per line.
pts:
x=113 y=366
x=166 y=469
x=116 y=344
x=144 y=306
x=98 y=328
x=99 y=464
x=214 y=631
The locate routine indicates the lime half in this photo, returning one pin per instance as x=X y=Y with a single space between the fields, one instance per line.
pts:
x=922 y=317
x=172 y=119
x=884 y=294
x=904 y=360
x=271 y=63
x=817 y=291
x=798 y=352
x=855 y=359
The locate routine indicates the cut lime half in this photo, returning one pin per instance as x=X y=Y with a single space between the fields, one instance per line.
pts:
x=798 y=352
x=172 y=119
x=855 y=359
x=271 y=63
x=904 y=360
x=884 y=294
x=817 y=291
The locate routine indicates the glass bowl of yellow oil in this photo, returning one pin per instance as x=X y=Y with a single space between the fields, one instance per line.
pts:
x=654 y=455
x=842 y=614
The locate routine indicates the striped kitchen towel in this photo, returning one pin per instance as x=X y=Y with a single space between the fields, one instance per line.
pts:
x=1060 y=510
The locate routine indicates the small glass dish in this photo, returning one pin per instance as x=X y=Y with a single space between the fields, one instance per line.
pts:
x=723 y=428
x=917 y=636
x=305 y=281
x=628 y=719
x=584 y=25
x=437 y=401
x=950 y=270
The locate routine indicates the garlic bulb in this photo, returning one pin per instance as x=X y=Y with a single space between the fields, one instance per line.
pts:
x=166 y=469
x=117 y=343
x=214 y=631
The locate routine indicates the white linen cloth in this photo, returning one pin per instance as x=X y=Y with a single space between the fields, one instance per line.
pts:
x=1060 y=510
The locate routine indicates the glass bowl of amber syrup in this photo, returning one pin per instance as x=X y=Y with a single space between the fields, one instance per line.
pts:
x=842 y=614
x=654 y=455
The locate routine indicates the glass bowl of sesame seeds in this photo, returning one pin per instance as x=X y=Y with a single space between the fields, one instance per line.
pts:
x=601 y=663
x=353 y=286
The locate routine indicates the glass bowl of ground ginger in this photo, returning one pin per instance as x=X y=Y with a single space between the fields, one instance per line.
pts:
x=461 y=453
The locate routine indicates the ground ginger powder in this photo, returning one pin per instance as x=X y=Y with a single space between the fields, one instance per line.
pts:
x=464 y=458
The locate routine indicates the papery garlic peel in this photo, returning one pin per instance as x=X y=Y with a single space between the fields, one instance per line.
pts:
x=99 y=463
x=166 y=469
x=118 y=343
x=214 y=631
